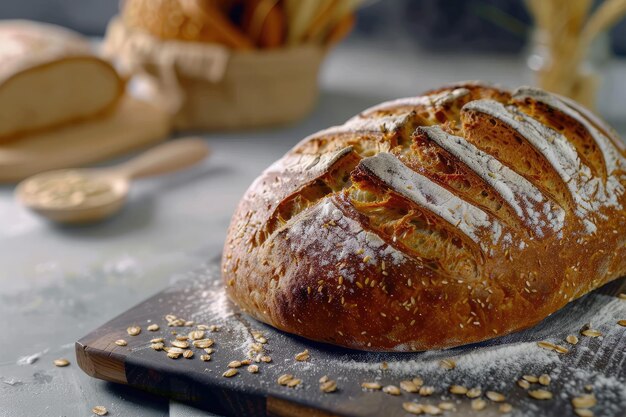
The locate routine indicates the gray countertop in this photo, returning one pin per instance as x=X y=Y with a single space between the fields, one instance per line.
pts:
x=59 y=283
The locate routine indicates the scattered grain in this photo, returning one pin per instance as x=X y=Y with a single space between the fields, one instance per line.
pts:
x=494 y=396
x=505 y=408
x=479 y=404
x=531 y=378
x=283 y=379
x=266 y=359
x=196 y=335
x=425 y=391
x=188 y=354
x=418 y=381
x=622 y=323
x=153 y=327
x=121 y=342
x=328 y=386
x=432 y=410
x=61 y=362
x=591 y=333
x=474 y=393
x=392 y=390
x=584 y=401
x=157 y=340
x=183 y=344
x=545 y=379
x=408 y=386
x=523 y=384
x=205 y=358
x=583 y=412
x=447 y=364
x=303 y=356
x=202 y=343
x=540 y=394
x=234 y=364
x=371 y=385
x=458 y=389
x=99 y=410
x=413 y=408
x=133 y=330
x=157 y=346
x=230 y=373
x=571 y=339
x=292 y=383
x=447 y=406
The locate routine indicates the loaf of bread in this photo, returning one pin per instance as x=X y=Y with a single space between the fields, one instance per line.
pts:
x=435 y=221
x=50 y=77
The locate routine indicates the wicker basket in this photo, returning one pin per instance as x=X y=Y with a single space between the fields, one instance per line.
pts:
x=208 y=86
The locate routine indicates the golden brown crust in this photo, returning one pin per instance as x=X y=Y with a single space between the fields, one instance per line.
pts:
x=415 y=226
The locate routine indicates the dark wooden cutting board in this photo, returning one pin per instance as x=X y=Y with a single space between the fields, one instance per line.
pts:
x=494 y=365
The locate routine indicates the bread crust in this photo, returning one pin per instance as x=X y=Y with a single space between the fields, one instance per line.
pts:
x=461 y=215
x=31 y=48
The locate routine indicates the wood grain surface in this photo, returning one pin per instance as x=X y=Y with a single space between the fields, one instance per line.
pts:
x=598 y=363
x=132 y=125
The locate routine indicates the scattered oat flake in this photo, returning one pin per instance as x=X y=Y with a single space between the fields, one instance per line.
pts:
x=622 y=323
x=196 y=335
x=583 y=412
x=328 y=386
x=458 y=389
x=253 y=369
x=425 y=391
x=474 y=393
x=173 y=355
x=432 y=410
x=531 y=378
x=591 y=333
x=371 y=385
x=418 y=381
x=505 y=408
x=494 y=396
x=157 y=346
x=121 y=342
x=408 y=386
x=478 y=404
x=552 y=346
x=153 y=327
x=447 y=406
x=584 y=401
x=283 y=379
x=324 y=379
x=133 y=330
x=571 y=339
x=391 y=390
x=540 y=394
x=293 y=382
x=188 y=354
x=61 y=362
x=99 y=410
x=157 y=340
x=183 y=344
x=234 y=364
x=202 y=343
x=303 y=356
x=447 y=364
x=205 y=358
x=266 y=359
x=230 y=373
x=181 y=338
x=545 y=379
x=523 y=384
x=413 y=408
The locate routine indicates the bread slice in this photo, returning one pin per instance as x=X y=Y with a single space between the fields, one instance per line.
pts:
x=50 y=77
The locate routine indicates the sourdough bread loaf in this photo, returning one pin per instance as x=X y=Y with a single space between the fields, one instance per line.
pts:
x=429 y=222
x=49 y=77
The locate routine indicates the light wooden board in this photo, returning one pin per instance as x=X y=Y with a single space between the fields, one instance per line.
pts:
x=132 y=125
x=493 y=365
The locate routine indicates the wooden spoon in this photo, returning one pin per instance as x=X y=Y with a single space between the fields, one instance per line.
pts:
x=93 y=194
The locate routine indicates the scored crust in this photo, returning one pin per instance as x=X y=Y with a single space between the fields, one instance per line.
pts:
x=430 y=222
